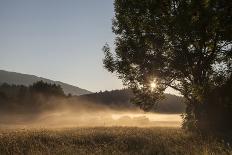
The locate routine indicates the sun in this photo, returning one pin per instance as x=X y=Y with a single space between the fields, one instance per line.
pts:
x=153 y=85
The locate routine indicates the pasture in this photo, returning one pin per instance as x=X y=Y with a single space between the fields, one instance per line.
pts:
x=109 y=140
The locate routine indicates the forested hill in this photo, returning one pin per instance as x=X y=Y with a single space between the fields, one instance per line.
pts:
x=14 y=78
x=121 y=99
x=43 y=96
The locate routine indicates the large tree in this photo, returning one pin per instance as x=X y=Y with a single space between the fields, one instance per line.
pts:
x=182 y=44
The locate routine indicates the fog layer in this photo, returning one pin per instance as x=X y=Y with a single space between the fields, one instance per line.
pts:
x=72 y=113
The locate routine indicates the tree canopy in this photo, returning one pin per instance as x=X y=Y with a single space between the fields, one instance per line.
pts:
x=185 y=45
x=31 y=99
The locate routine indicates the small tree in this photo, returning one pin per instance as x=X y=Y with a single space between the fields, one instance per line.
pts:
x=185 y=45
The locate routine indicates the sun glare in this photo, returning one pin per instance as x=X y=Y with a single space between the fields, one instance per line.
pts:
x=153 y=85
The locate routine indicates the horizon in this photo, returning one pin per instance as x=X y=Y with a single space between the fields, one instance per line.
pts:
x=169 y=91
x=115 y=77
x=58 y=40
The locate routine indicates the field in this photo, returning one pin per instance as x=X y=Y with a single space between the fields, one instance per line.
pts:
x=108 y=140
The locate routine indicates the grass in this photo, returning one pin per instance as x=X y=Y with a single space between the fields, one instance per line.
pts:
x=108 y=140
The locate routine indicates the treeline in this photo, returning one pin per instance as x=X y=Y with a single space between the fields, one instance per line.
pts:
x=34 y=98
x=42 y=96
x=121 y=99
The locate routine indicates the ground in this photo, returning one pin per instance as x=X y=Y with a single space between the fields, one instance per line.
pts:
x=108 y=140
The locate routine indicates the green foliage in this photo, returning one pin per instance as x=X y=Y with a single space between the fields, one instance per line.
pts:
x=185 y=45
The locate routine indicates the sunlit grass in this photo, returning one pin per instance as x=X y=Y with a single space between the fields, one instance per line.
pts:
x=111 y=140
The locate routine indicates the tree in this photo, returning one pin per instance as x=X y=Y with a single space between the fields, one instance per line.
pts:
x=33 y=98
x=185 y=45
x=47 y=89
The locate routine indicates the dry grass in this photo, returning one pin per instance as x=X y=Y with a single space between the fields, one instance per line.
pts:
x=108 y=140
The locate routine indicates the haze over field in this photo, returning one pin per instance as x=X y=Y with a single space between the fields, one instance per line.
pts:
x=66 y=118
x=31 y=101
x=58 y=112
x=116 y=77
x=61 y=41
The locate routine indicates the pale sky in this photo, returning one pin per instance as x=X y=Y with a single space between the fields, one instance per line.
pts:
x=60 y=40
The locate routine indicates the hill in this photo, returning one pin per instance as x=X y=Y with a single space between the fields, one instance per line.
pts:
x=116 y=99
x=121 y=99
x=26 y=79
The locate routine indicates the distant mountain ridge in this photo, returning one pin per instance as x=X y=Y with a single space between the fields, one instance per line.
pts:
x=26 y=79
x=120 y=99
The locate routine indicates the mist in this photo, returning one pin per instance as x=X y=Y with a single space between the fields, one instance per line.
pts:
x=63 y=112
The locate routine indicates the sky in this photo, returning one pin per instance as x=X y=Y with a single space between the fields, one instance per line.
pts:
x=58 y=39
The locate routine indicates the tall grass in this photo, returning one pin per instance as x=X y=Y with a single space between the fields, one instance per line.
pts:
x=110 y=140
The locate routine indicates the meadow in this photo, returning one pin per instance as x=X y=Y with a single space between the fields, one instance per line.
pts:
x=109 y=140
